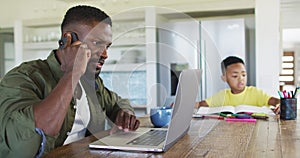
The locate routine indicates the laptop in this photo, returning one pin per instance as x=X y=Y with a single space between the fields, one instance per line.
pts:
x=186 y=94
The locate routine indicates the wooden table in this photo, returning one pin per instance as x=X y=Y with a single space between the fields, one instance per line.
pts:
x=211 y=138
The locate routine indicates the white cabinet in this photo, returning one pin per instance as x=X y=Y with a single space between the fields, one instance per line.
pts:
x=34 y=39
x=126 y=69
x=128 y=49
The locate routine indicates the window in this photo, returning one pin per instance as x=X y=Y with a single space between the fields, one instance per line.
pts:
x=287 y=76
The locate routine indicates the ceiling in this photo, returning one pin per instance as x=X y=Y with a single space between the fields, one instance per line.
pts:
x=290 y=9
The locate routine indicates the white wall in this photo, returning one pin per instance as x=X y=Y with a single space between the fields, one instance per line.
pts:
x=220 y=39
x=177 y=44
x=180 y=41
x=228 y=35
x=297 y=64
x=267 y=15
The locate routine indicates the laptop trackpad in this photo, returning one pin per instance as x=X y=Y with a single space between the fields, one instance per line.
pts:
x=125 y=138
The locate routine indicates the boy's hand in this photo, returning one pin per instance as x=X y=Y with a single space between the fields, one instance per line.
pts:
x=201 y=103
x=276 y=109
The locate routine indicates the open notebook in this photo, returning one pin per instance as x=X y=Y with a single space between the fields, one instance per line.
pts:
x=186 y=94
x=234 y=109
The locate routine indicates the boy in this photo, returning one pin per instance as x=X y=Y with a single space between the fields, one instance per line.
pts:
x=234 y=73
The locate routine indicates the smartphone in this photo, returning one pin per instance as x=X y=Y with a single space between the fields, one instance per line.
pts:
x=62 y=42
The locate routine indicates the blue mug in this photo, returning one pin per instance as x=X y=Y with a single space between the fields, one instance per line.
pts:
x=160 y=116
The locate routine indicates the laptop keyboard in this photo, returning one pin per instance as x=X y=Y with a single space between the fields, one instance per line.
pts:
x=151 y=138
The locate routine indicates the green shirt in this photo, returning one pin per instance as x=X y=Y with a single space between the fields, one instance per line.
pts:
x=250 y=96
x=30 y=83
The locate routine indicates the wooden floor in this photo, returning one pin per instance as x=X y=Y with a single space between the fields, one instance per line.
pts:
x=212 y=138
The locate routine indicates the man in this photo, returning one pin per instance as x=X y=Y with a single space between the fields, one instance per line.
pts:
x=47 y=103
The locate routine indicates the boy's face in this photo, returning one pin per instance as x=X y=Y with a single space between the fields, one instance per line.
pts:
x=236 y=77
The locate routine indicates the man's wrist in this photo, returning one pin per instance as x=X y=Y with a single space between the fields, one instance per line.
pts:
x=128 y=111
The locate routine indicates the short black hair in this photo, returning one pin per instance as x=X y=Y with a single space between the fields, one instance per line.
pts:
x=229 y=61
x=84 y=14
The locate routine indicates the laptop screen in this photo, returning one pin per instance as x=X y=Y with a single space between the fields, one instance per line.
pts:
x=186 y=94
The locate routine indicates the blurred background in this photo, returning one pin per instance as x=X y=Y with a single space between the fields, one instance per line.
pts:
x=153 y=41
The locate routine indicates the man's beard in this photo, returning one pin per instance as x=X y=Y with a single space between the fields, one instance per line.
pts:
x=97 y=73
x=92 y=75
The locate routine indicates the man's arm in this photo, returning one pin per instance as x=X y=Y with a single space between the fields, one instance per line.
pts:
x=49 y=114
x=118 y=110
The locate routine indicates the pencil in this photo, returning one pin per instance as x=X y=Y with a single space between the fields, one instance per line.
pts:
x=239 y=120
x=279 y=93
x=296 y=89
x=214 y=117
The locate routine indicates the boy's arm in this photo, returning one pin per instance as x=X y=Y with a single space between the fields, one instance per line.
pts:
x=201 y=103
x=275 y=102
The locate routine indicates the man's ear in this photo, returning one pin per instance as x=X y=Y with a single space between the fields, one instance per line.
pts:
x=223 y=77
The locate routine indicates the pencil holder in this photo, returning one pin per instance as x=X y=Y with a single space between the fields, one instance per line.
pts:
x=288 y=108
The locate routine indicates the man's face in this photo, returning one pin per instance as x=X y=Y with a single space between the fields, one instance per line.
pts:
x=98 y=40
x=98 y=37
x=236 y=77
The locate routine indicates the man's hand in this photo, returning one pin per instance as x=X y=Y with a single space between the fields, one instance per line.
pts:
x=125 y=121
x=75 y=56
